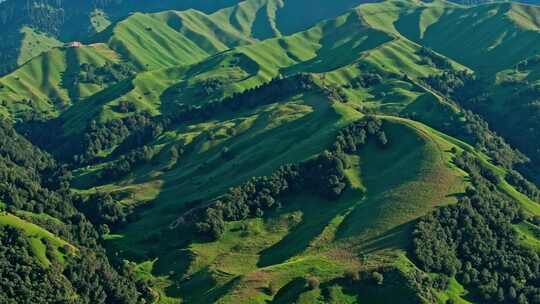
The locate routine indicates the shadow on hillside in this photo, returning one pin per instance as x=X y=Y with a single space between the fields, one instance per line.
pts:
x=290 y=292
x=357 y=38
x=201 y=287
x=195 y=87
x=202 y=176
x=93 y=105
x=69 y=76
x=317 y=215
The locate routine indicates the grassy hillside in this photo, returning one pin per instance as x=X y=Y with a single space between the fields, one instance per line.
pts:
x=48 y=83
x=412 y=177
x=298 y=240
x=301 y=126
x=200 y=115
x=33 y=44
x=74 y=20
x=172 y=38
x=486 y=38
x=238 y=69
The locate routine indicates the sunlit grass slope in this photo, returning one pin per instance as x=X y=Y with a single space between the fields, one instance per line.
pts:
x=237 y=70
x=413 y=175
x=486 y=38
x=178 y=38
x=184 y=53
x=33 y=44
x=172 y=38
x=45 y=84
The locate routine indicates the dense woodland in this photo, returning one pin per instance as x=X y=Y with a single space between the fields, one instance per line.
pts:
x=108 y=73
x=30 y=180
x=475 y=240
x=472 y=93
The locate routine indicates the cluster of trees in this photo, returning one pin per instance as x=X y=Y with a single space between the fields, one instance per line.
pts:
x=126 y=163
x=473 y=94
x=210 y=86
x=125 y=106
x=334 y=93
x=83 y=278
x=461 y=85
x=523 y=185
x=523 y=132
x=31 y=181
x=127 y=132
x=429 y=57
x=476 y=131
x=102 y=209
x=322 y=175
x=466 y=89
x=23 y=278
x=475 y=241
x=206 y=89
x=352 y=137
x=528 y=63
x=366 y=80
x=24 y=172
x=412 y=286
x=270 y=92
x=105 y=74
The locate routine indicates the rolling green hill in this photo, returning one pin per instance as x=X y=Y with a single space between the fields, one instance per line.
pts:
x=495 y=36
x=55 y=21
x=267 y=153
x=52 y=81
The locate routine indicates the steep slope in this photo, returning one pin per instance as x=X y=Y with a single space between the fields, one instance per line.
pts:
x=76 y=19
x=222 y=75
x=39 y=238
x=72 y=20
x=295 y=236
x=495 y=36
x=190 y=36
x=498 y=42
x=54 y=80
x=172 y=38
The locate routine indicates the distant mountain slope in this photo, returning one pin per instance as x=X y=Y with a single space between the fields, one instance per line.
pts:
x=173 y=38
x=486 y=38
x=55 y=79
x=236 y=70
x=178 y=38
x=170 y=38
x=72 y=20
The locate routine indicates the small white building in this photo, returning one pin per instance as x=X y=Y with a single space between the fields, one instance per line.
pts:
x=73 y=44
